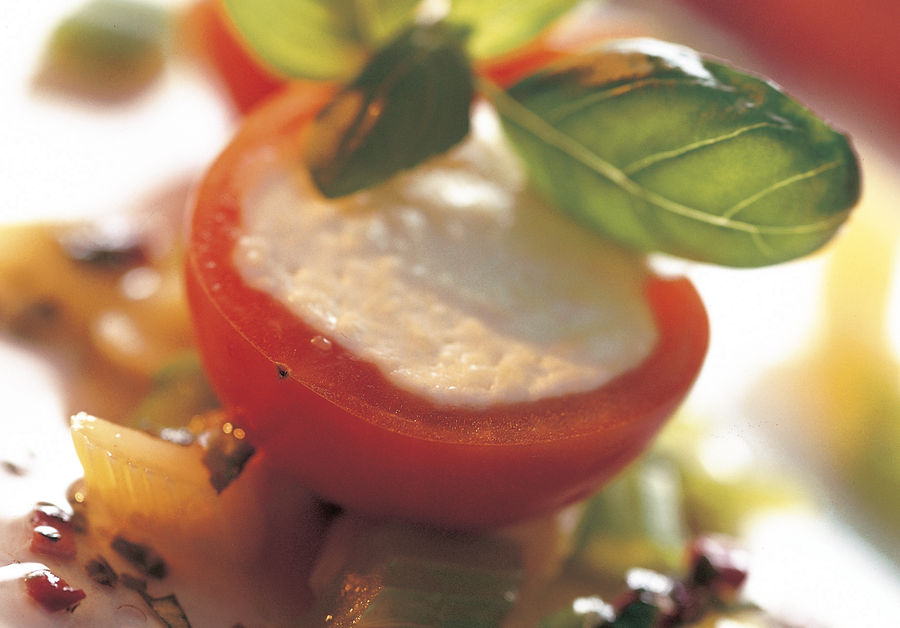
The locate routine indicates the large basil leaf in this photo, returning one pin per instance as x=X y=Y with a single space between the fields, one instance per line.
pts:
x=664 y=151
x=502 y=25
x=319 y=39
x=410 y=102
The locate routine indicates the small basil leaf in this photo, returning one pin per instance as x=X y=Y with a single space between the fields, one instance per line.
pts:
x=500 y=26
x=409 y=103
x=318 y=39
x=663 y=150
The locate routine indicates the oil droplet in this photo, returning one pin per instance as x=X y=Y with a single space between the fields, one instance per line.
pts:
x=140 y=283
x=14 y=572
x=321 y=342
x=48 y=532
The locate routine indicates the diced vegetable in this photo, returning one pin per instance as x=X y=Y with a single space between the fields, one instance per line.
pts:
x=387 y=574
x=157 y=496
x=717 y=500
x=104 y=300
x=638 y=520
x=144 y=485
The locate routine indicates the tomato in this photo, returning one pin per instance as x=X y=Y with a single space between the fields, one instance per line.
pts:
x=211 y=35
x=852 y=49
x=337 y=425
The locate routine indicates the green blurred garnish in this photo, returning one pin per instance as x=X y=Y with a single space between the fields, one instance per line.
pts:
x=182 y=408
x=400 y=574
x=107 y=49
x=334 y=39
x=180 y=392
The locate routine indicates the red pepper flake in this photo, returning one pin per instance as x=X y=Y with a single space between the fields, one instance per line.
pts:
x=51 y=591
x=718 y=563
x=51 y=532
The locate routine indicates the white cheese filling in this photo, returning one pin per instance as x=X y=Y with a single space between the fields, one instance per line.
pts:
x=454 y=279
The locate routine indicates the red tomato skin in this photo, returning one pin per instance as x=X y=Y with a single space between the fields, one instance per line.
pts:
x=336 y=425
x=211 y=35
x=852 y=49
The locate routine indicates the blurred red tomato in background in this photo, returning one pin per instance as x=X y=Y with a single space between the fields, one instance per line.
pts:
x=210 y=34
x=852 y=49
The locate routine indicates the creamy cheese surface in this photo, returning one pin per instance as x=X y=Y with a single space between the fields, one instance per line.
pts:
x=454 y=279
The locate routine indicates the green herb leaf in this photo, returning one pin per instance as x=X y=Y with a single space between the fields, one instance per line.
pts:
x=101 y=572
x=502 y=25
x=409 y=103
x=225 y=457
x=662 y=150
x=141 y=556
x=166 y=608
x=397 y=574
x=319 y=39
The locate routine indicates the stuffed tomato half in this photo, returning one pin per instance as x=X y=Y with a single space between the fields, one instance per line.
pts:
x=444 y=348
